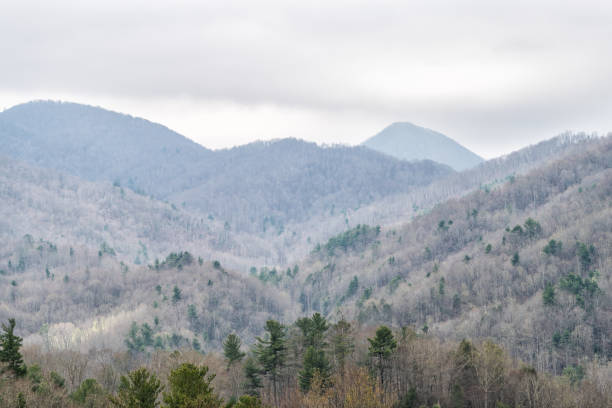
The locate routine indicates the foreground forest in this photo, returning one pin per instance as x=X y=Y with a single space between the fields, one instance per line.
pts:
x=309 y=363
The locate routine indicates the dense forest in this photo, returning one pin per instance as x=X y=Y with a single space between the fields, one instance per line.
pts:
x=43 y=203
x=309 y=363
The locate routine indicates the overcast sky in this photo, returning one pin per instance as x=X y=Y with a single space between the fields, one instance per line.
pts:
x=492 y=75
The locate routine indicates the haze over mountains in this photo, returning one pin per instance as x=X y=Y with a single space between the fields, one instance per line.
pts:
x=282 y=197
x=251 y=187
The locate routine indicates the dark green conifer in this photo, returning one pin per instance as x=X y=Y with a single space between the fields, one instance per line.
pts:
x=9 y=349
x=381 y=347
x=190 y=386
x=231 y=349
x=271 y=352
x=314 y=362
x=139 y=389
x=341 y=343
x=252 y=380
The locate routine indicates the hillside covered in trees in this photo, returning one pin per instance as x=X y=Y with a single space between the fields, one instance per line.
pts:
x=526 y=264
x=70 y=211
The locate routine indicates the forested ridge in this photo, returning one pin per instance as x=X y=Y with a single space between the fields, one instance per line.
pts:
x=483 y=266
x=66 y=210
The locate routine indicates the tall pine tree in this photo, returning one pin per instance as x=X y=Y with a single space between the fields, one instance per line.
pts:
x=271 y=352
x=313 y=340
x=233 y=355
x=139 y=389
x=9 y=349
x=313 y=330
x=381 y=347
x=314 y=362
x=231 y=349
x=341 y=342
x=252 y=382
x=191 y=386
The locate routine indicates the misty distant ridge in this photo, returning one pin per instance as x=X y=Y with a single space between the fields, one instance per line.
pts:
x=251 y=186
x=100 y=129
x=97 y=144
x=407 y=141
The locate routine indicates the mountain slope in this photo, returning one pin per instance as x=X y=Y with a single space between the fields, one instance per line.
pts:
x=398 y=209
x=67 y=210
x=252 y=187
x=478 y=266
x=46 y=203
x=96 y=144
x=407 y=141
x=75 y=298
x=486 y=176
x=264 y=185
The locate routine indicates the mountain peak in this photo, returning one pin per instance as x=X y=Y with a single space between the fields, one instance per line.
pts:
x=407 y=141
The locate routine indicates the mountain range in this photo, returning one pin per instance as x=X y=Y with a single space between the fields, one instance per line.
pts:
x=109 y=221
x=253 y=187
x=407 y=141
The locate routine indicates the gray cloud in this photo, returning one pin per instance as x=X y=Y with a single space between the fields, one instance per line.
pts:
x=494 y=75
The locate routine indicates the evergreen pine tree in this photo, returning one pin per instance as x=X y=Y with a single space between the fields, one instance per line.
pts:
x=233 y=355
x=177 y=295
x=139 y=389
x=251 y=374
x=313 y=330
x=271 y=352
x=341 y=342
x=548 y=296
x=190 y=386
x=9 y=349
x=381 y=347
x=231 y=349
x=89 y=393
x=314 y=362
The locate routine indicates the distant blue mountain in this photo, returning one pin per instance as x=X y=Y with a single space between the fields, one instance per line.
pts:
x=406 y=141
x=251 y=186
x=97 y=144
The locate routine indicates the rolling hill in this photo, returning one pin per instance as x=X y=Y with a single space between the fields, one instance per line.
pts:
x=100 y=145
x=66 y=210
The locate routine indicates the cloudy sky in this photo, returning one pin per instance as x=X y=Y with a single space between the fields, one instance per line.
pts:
x=493 y=75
